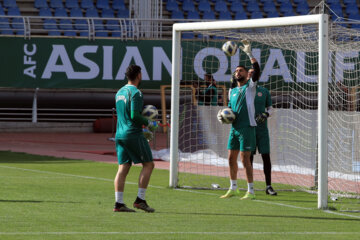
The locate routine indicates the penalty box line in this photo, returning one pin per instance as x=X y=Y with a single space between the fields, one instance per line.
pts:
x=183 y=190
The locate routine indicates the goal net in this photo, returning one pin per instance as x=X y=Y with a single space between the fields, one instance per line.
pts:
x=288 y=55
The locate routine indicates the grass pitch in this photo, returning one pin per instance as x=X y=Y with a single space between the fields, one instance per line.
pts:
x=55 y=198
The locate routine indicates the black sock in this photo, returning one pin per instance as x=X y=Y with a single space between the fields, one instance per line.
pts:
x=267 y=168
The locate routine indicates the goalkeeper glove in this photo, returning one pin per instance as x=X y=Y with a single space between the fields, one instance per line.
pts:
x=246 y=48
x=261 y=117
x=220 y=118
x=152 y=126
x=147 y=134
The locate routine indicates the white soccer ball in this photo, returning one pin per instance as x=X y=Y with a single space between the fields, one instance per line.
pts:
x=229 y=48
x=228 y=115
x=150 y=112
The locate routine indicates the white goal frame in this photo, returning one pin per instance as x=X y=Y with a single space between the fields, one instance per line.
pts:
x=322 y=21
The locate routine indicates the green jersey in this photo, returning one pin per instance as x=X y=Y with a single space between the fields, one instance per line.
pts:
x=128 y=99
x=210 y=96
x=242 y=104
x=262 y=102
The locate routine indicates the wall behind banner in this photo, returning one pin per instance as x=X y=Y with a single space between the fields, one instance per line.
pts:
x=79 y=63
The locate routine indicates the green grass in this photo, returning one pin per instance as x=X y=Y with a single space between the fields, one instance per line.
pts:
x=54 y=198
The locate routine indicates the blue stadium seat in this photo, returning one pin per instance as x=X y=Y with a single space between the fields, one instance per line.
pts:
x=86 y=4
x=220 y=6
x=67 y=26
x=333 y=1
x=9 y=3
x=204 y=6
x=60 y=12
x=177 y=15
x=112 y=25
x=56 y=4
x=352 y=9
x=41 y=4
x=123 y=13
x=51 y=26
x=337 y=9
x=118 y=5
x=172 y=5
x=253 y=7
x=45 y=12
x=273 y=14
x=91 y=12
x=76 y=12
x=193 y=15
x=286 y=7
x=236 y=6
x=255 y=15
x=102 y=4
x=187 y=35
x=346 y=2
x=354 y=17
x=269 y=7
x=302 y=8
x=265 y=1
x=107 y=13
x=289 y=14
x=188 y=5
x=241 y=16
x=209 y=15
x=282 y=1
x=225 y=16
x=72 y=4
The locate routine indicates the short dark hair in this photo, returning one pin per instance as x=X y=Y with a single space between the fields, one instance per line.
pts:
x=132 y=71
x=242 y=66
x=210 y=76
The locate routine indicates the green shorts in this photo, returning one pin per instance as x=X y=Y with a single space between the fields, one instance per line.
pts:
x=262 y=140
x=242 y=139
x=134 y=150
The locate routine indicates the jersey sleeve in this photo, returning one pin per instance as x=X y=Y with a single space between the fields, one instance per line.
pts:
x=136 y=102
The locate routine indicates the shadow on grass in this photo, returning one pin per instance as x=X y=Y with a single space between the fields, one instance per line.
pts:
x=16 y=157
x=32 y=201
x=265 y=216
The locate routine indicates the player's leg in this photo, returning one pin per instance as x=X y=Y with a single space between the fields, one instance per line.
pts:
x=120 y=178
x=267 y=172
x=142 y=154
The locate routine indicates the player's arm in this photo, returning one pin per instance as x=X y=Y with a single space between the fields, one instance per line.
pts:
x=136 y=108
x=247 y=49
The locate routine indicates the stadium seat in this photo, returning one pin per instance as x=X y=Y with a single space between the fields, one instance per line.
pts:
x=225 y=16
x=302 y=8
x=255 y=15
x=300 y=1
x=346 y=2
x=273 y=14
x=118 y=5
x=204 y=6
x=51 y=26
x=91 y=12
x=253 y=7
x=220 y=6
x=286 y=7
x=67 y=26
x=86 y=4
x=60 y=12
x=102 y=4
x=13 y=11
x=193 y=15
x=187 y=35
x=241 y=15
x=172 y=5
x=111 y=25
x=45 y=12
x=72 y=4
x=56 y=4
x=236 y=6
x=209 y=15
x=269 y=7
x=76 y=12
x=107 y=13
x=188 y=5
x=352 y=9
x=354 y=16
x=123 y=13
x=4 y=24
x=333 y=1
x=289 y=14
x=40 y=4
x=283 y=1
x=177 y=15
x=9 y=3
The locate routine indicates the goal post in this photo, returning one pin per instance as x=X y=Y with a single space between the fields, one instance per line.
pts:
x=319 y=20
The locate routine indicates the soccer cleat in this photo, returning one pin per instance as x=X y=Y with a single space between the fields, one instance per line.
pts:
x=121 y=207
x=248 y=196
x=270 y=190
x=141 y=204
x=231 y=193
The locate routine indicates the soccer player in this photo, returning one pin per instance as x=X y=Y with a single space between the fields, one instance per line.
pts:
x=263 y=110
x=210 y=95
x=242 y=133
x=131 y=145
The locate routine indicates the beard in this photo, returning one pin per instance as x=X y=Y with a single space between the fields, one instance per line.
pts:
x=240 y=79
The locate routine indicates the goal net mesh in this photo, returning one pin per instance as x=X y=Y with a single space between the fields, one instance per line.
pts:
x=288 y=58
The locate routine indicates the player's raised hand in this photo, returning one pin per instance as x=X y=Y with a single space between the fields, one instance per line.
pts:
x=246 y=48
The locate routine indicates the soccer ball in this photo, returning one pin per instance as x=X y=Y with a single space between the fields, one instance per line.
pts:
x=227 y=115
x=230 y=48
x=150 y=112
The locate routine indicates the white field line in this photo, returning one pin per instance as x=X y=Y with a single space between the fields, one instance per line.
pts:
x=159 y=187
x=182 y=233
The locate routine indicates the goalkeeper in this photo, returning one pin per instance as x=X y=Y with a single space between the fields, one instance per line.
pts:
x=263 y=110
x=131 y=145
x=242 y=134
